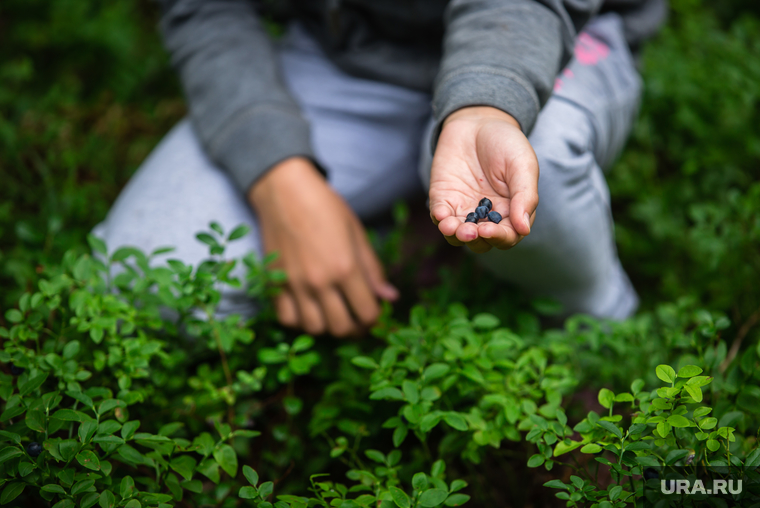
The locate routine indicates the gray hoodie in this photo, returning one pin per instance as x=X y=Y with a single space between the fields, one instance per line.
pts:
x=500 y=53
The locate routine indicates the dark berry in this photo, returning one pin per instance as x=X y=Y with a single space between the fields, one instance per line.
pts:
x=481 y=212
x=16 y=371
x=494 y=217
x=471 y=217
x=34 y=449
x=486 y=202
x=650 y=474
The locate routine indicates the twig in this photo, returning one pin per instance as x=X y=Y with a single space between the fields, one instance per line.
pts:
x=737 y=344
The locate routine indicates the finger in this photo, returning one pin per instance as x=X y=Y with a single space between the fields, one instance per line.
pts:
x=498 y=235
x=360 y=298
x=523 y=189
x=440 y=210
x=310 y=313
x=467 y=232
x=373 y=269
x=339 y=321
x=479 y=246
x=449 y=225
x=285 y=305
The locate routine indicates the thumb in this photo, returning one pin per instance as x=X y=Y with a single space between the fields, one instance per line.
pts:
x=523 y=190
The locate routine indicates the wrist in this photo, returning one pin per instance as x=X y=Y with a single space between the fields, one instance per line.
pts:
x=286 y=174
x=480 y=113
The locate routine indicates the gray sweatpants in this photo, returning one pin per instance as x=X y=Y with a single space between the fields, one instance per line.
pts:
x=373 y=139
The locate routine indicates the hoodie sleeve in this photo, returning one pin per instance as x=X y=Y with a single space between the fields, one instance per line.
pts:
x=239 y=106
x=506 y=54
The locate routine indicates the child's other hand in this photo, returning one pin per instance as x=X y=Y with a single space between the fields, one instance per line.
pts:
x=482 y=152
x=334 y=276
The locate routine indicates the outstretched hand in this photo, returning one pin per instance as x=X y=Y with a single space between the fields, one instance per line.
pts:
x=481 y=153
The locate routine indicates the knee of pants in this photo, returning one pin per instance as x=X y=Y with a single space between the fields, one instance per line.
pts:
x=573 y=194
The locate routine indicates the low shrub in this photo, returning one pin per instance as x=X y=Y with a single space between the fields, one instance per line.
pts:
x=124 y=386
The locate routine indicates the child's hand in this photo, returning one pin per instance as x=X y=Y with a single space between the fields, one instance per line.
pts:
x=334 y=276
x=482 y=152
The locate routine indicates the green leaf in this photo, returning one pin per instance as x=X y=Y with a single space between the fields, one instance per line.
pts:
x=365 y=362
x=238 y=232
x=456 y=500
x=54 y=488
x=411 y=392
x=251 y=475
x=694 y=392
x=611 y=427
x=536 y=460
x=666 y=373
x=420 y=481
x=14 y=316
x=663 y=428
x=9 y=453
x=70 y=415
x=485 y=321
x=302 y=343
x=248 y=493
x=71 y=349
x=457 y=485
x=435 y=371
x=606 y=398
x=127 y=487
x=456 y=420
x=11 y=435
x=563 y=447
x=170 y=429
x=637 y=386
x=591 y=448
x=226 y=457
x=555 y=484
x=400 y=497
x=399 y=434
x=97 y=244
x=64 y=503
x=713 y=445
x=81 y=486
x=678 y=421
x=89 y=460
x=107 y=499
x=89 y=500
x=207 y=239
x=429 y=421
x=265 y=489
x=12 y=412
x=195 y=486
x=210 y=469
x=11 y=492
x=184 y=465
x=375 y=456
x=130 y=455
x=433 y=497
x=32 y=384
x=689 y=371
x=387 y=393
x=128 y=429
x=614 y=492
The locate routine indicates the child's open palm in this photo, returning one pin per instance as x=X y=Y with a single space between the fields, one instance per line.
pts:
x=481 y=153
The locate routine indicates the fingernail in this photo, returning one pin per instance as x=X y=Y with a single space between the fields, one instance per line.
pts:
x=527 y=221
x=390 y=291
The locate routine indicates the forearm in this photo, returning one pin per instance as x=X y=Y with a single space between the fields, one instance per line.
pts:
x=241 y=110
x=506 y=54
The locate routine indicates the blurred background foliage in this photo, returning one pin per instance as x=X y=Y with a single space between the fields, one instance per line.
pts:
x=86 y=92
